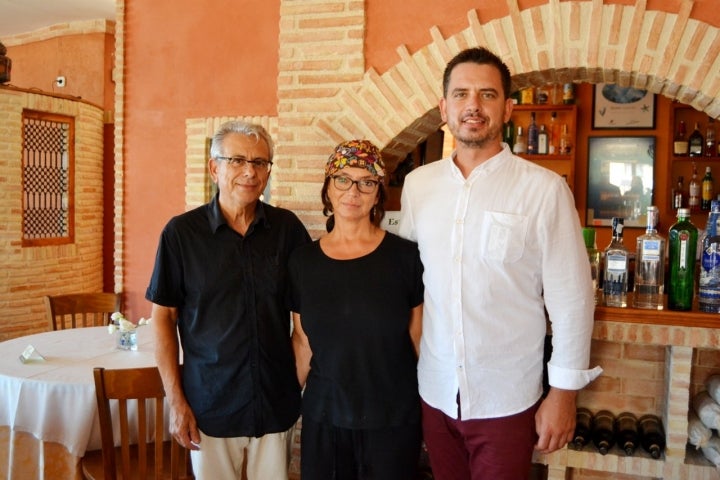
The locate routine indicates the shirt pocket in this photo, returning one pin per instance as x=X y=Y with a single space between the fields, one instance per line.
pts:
x=503 y=237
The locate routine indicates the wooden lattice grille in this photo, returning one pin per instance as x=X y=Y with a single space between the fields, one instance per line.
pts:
x=48 y=184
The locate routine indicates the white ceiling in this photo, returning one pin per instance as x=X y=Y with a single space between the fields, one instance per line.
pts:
x=22 y=16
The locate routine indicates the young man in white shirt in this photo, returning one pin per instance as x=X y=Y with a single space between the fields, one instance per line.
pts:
x=500 y=241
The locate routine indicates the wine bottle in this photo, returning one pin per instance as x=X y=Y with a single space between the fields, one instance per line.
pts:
x=615 y=281
x=583 y=428
x=565 y=141
x=520 y=145
x=652 y=435
x=650 y=265
x=678 y=194
x=710 y=146
x=708 y=189
x=680 y=142
x=553 y=135
x=542 y=146
x=509 y=133
x=603 y=431
x=626 y=432
x=696 y=143
x=532 y=136
x=683 y=245
x=694 y=191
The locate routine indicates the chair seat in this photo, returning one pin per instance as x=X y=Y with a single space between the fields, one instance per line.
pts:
x=92 y=464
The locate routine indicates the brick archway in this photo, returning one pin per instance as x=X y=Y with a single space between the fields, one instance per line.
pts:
x=671 y=54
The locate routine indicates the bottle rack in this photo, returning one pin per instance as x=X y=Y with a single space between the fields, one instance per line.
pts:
x=683 y=336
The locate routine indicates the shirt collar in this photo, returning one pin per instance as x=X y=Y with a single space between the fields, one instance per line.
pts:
x=216 y=218
x=487 y=167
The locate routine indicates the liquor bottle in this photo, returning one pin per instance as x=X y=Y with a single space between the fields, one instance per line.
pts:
x=626 y=432
x=696 y=142
x=650 y=265
x=542 y=143
x=568 y=93
x=593 y=257
x=683 y=245
x=556 y=94
x=583 y=428
x=542 y=94
x=565 y=141
x=694 y=191
x=603 y=431
x=520 y=146
x=680 y=143
x=708 y=189
x=679 y=194
x=532 y=136
x=553 y=135
x=652 y=435
x=527 y=95
x=710 y=146
x=615 y=281
x=709 y=276
x=509 y=133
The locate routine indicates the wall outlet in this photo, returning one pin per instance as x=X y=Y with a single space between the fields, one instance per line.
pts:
x=60 y=81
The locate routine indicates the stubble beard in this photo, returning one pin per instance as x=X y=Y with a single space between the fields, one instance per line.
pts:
x=478 y=140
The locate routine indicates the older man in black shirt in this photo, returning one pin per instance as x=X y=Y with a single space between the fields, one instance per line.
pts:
x=219 y=281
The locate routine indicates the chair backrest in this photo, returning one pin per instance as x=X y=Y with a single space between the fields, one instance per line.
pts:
x=143 y=386
x=81 y=309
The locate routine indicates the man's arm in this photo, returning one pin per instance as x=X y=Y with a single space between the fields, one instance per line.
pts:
x=167 y=349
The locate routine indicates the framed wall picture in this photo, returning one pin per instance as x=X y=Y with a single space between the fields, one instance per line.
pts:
x=620 y=179
x=623 y=107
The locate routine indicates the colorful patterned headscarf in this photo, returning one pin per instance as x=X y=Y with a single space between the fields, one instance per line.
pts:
x=356 y=153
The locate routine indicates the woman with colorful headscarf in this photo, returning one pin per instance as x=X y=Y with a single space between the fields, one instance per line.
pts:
x=356 y=296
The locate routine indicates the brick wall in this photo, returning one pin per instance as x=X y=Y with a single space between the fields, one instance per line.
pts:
x=29 y=273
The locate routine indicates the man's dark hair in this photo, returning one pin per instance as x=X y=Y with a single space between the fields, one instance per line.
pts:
x=481 y=56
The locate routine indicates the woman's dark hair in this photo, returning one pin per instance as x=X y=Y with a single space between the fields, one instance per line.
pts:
x=376 y=214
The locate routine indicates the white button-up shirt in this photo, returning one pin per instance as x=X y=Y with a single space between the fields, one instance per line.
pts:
x=498 y=247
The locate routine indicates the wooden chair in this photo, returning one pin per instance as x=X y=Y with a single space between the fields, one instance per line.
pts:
x=148 y=459
x=81 y=309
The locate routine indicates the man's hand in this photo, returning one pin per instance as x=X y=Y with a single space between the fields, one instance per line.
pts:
x=183 y=426
x=555 y=420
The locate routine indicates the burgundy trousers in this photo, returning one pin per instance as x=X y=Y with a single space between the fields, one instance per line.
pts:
x=487 y=449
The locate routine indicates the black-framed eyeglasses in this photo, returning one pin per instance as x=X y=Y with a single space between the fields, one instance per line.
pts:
x=239 y=162
x=364 y=185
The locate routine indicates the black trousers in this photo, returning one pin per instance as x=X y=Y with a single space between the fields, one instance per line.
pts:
x=331 y=453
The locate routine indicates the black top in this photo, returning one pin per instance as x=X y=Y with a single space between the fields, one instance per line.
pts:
x=356 y=315
x=239 y=368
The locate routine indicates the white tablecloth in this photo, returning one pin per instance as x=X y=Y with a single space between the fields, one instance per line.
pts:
x=54 y=399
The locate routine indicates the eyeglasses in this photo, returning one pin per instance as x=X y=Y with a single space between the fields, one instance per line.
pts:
x=238 y=162
x=364 y=185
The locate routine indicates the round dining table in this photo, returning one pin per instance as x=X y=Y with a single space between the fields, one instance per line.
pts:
x=51 y=397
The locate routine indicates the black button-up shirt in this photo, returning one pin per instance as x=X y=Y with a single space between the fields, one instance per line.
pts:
x=238 y=363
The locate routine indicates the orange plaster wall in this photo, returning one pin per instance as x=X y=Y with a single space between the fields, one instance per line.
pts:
x=85 y=61
x=184 y=60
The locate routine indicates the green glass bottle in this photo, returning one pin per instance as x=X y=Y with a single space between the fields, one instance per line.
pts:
x=682 y=238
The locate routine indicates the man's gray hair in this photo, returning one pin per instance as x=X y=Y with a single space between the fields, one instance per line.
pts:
x=243 y=128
